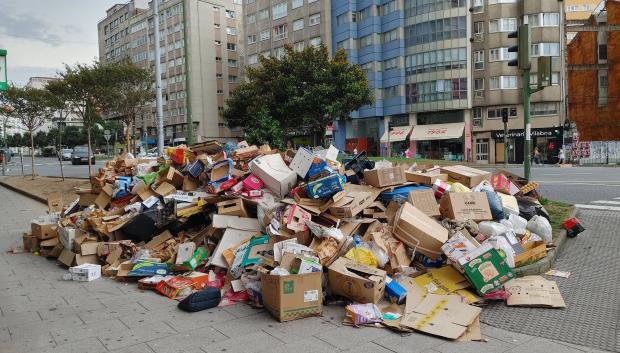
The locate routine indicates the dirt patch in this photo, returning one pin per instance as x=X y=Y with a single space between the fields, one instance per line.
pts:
x=43 y=186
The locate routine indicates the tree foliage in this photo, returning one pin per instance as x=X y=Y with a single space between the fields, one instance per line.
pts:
x=303 y=92
x=263 y=129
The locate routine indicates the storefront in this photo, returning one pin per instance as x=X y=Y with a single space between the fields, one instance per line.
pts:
x=548 y=140
x=398 y=139
x=439 y=141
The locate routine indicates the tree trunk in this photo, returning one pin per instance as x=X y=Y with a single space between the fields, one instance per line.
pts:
x=32 y=152
x=89 y=159
x=127 y=135
x=62 y=174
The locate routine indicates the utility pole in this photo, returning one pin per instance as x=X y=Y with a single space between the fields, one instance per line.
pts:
x=390 y=129
x=4 y=85
x=158 y=94
x=505 y=120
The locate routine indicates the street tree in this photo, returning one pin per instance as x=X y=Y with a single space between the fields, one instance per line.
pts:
x=59 y=102
x=29 y=106
x=133 y=90
x=302 y=91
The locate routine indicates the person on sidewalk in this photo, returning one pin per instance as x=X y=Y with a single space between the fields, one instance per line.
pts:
x=561 y=156
x=536 y=155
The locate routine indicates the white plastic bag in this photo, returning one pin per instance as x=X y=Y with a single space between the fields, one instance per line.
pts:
x=500 y=243
x=541 y=226
x=519 y=224
x=380 y=254
x=485 y=185
x=491 y=229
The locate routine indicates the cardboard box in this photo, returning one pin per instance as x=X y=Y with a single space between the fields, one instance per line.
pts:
x=67 y=236
x=54 y=202
x=488 y=271
x=233 y=207
x=301 y=162
x=418 y=231
x=467 y=176
x=87 y=199
x=427 y=179
x=325 y=187
x=385 y=176
x=277 y=177
x=534 y=291
x=465 y=205
x=43 y=230
x=104 y=197
x=394 y=292
x=425 y=201
x=50 y=247
x=355 y=281
x=85 y=272
x=221 y=171
x=294 y=296
x=89 y=248
x=67 y=257
x=532 y=252
x=31 y=243
x=297 y=218
x=165 y=189
x=86 y=259
x=172 y=176
x=500 y=183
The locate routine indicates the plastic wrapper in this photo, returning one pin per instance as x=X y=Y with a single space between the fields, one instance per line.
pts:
x=144 y=168
x=334 y=233
x=540 y=226
x=382 y=164
x=458 y=187
x=519 y=224
x=362 y=314
x=149 y=178
x=380 y=254
x=500 y=243
x=499 y=294
x=492 y=229
x=485 y=185
x=279 y=271
x=362 y=255
x=266 y=205
x=230 y=297
x=495 y=204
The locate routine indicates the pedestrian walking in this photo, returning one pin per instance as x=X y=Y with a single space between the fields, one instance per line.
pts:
x=536 y=155
x=561 y=156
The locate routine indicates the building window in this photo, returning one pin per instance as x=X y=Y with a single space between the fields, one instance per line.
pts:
x=544 y=108
x=278 y=10
x=297 y=3
x=479 y=60
x=298 y=24
x=418 y=7
x=503 y=25
x=299 y=46
x=477 y=119
x=342 y=19
x=388 y=8
x=231 y=14
x=220 y=92
x=279 y=32
x=266 y=54
x=250 y=1
x=315 y=42
x=231 y=46
x=253 y=59
x=545 y=49
x=251 y=18
x=232 y=79
x=231 y=31
x=478 y=6
x=278 y=53
x=390 y=36
x=602 y=52
x=496 y=112
x=218 y=75
x=364 y=13
x=252 y=39
x=366 y=41
x=311 y=1
x=218 y=59
x=390 y=92
x=390 y=63
x=479 y=88
x=263 y=14
x=232 y=63
x=264 y=35
x=543 y=19
x=314 y=19
x=436 y=60
x=436 y=30
x=479 y=30
x=438 y=90
x=503 y=82
x=602 y=88
x=501 y=54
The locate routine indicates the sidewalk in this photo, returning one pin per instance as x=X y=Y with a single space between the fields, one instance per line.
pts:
x=42 y=313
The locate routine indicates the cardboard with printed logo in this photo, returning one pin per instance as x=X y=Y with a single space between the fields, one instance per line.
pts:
x=292 y=297
x=355 y=281
x=465 y=205
x=385 y=176
x=424 y=200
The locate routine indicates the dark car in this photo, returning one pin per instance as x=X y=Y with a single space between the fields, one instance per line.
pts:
x=80 y=155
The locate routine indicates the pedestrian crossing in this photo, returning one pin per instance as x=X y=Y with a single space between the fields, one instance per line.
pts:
x=603 y=205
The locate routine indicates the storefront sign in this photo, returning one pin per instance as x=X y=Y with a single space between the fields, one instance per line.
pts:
x=541 y=132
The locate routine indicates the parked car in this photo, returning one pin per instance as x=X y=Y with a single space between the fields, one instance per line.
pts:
x=80 y=155
x=66 y=153
x=8 y=155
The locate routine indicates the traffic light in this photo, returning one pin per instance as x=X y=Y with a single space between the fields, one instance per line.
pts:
x=544 y=71
x=390 y=126
x=522 y=48
x=505 y=115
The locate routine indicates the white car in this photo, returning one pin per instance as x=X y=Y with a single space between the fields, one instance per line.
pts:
x=66 y=153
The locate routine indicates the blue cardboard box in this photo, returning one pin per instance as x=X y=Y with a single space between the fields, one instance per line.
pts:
x=394 y=292
x=325 y=187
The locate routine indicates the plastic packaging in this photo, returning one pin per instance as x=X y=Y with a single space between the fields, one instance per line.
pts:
x=362 y=255
x=279 y=271
x=519 y=224
x=334 y=233
x=363 y=313
x=492 y=229
x=485 y=185
x=495 y=204
x=541 y=227
x=382 y=164
x=458 y=187
x=500 y=243
x=266 y=206
x=380 y=254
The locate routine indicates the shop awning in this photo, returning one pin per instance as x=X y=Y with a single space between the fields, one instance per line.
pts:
x=437 y=132
x=399 y=133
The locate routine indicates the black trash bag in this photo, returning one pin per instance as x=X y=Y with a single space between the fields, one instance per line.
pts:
x=140 y=228
x=529 y=208
x=205 y=299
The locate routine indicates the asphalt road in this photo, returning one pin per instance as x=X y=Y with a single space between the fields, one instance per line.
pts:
x=574 y=185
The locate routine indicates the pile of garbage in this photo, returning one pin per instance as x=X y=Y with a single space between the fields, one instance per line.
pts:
x=406 y=247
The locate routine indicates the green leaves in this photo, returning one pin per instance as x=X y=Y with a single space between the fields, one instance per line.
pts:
x=302 y=92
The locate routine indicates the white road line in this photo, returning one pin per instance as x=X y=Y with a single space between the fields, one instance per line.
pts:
x=616 y=198
x=609 y=202
x=597 y=207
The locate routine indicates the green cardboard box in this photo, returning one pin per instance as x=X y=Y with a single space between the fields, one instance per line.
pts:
x=488 y=271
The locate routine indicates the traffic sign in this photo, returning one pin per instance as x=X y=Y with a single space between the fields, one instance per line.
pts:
x=4 y=84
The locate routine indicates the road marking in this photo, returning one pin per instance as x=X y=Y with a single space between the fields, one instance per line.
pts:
x=585 y=182
x=609 y=202
x=616 y=198
x=597 y=207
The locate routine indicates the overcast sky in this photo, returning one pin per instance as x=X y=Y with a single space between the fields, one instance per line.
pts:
x=42 y=35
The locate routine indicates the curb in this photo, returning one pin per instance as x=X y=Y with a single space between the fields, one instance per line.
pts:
x=544 y=265
x=23 y=192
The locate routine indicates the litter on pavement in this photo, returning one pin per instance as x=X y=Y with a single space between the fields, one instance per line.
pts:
x=410 y=248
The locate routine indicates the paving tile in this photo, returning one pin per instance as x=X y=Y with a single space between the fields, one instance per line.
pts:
x=248 y=324
x=242 y=310
x=19 y=318
x=64 y=335
x=186 y=340
x=492 y=345
x=409 y=342
x=306 y=345
x=368 y=347
x=349 y=337
x=334 y=314
x=297 y=330
x=138 y=348
x=41 y=326
x=504 y=335
x=5 y=335
x=543 y=345
x=89 y=345
x=72 y=309
x=27 y=344
x=248 y=343
x=112 y=312
x=133 y=336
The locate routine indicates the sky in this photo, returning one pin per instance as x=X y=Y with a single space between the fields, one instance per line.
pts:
x=43 y=35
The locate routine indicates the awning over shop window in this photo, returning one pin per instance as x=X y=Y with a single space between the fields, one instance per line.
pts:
x=437 y=132
x=399 y=133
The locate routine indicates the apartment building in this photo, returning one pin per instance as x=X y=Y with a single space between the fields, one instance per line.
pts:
x=497 y=86
x=271 y=24
x=202 y=59
x=578 y=11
